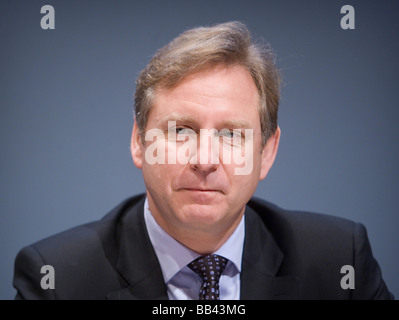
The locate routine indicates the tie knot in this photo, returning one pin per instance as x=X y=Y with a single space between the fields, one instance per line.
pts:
x=209 y=267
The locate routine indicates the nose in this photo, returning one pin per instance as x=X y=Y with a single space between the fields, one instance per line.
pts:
x=207 y=155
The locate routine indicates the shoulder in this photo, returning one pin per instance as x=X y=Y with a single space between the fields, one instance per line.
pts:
x=300 y=222
x=316 y=246
x=310 y=240
x=83 y=254
x=82 y=238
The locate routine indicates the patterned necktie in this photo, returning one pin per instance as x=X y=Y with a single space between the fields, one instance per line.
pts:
x=210 y=268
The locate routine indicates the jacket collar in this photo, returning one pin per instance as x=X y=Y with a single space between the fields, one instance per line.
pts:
x=137 y=262
x=261 y=262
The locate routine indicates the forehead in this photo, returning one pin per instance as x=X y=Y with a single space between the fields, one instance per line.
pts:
x=217 y=93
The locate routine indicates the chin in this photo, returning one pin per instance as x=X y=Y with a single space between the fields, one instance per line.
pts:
x=202 y=214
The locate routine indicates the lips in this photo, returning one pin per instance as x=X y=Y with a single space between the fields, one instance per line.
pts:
x=201 y=195
x=201 y=190
x=193 y=184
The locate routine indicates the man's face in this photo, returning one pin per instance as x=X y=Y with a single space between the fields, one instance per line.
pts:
x=200 y=195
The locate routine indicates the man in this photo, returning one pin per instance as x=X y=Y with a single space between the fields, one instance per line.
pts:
x=205 y=132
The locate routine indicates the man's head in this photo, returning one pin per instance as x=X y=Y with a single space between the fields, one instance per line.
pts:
x=206 y=79
x=204 y=48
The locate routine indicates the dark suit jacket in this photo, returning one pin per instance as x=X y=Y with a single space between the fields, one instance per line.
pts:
x=287 y=255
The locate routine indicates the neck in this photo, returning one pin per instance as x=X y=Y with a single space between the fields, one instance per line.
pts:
x=203 y=242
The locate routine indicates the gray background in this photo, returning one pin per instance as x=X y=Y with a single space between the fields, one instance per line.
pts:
x=66 y=105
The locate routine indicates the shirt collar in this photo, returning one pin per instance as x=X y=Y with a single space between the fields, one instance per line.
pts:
x=173 y=256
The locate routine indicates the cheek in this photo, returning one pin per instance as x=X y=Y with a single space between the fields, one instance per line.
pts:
x=243 y=181
x=161 y=177
x=244 y=176
x=245 y=161
x=242 y=189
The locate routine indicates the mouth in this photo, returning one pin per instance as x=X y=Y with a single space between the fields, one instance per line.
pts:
x=201 y=190
x=201 y=195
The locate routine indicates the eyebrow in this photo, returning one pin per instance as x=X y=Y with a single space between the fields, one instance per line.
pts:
x=178 y=118
x=233 y=123
x=239 y=124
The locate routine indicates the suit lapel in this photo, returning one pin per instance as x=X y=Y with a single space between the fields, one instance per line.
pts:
x=137 y=262
x=138 y=265
x=261 y=261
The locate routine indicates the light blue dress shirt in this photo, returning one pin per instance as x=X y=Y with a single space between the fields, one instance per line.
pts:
x=184 y=284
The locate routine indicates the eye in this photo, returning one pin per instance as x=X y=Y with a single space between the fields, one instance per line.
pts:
x=181 y=133
x=230 y=134
x=182 y=130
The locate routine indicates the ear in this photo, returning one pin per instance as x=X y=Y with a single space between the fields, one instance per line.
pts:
x=136 y=146
x=269 y=153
